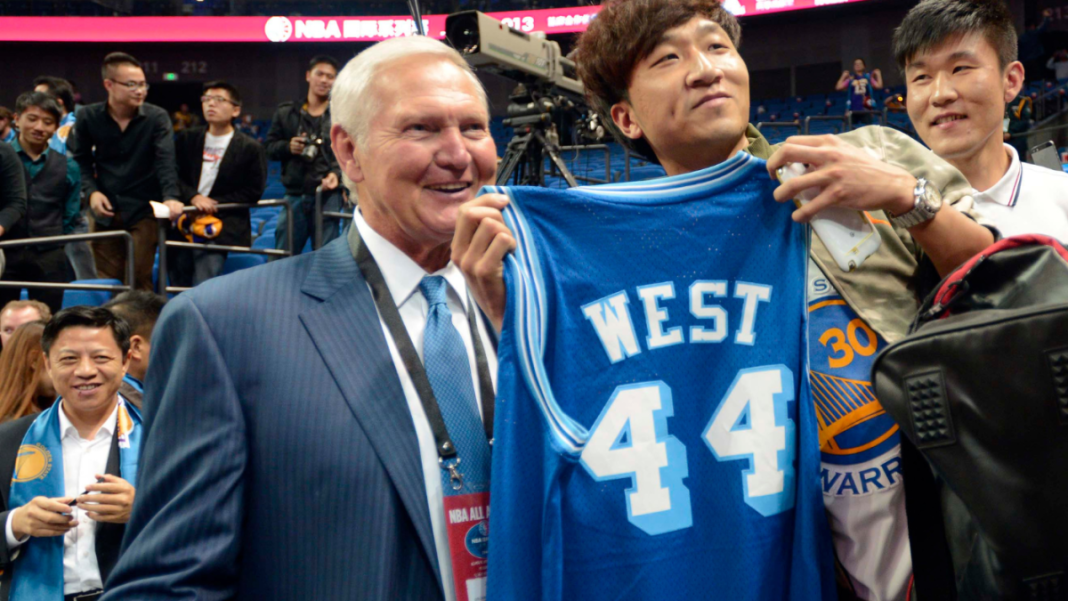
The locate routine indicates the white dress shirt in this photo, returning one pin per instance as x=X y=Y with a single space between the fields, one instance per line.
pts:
x=402 y=276
x=82 y=461
x=1028 y=199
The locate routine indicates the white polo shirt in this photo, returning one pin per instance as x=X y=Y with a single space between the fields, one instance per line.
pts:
x=1028 y=199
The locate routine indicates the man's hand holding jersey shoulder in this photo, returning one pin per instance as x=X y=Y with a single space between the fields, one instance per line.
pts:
x=846 y=176
x=478 y=247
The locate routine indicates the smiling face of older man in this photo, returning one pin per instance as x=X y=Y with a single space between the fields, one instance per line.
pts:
x=425 y=151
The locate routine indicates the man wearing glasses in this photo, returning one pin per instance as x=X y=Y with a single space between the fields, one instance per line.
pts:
x=126 y=154
x=217 y=165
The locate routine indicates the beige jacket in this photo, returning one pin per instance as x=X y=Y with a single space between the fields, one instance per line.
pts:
x=883 y=291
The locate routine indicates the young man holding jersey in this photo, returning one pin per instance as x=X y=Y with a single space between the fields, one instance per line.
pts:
x=667 y=76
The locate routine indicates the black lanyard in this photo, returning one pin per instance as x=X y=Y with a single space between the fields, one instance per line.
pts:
x=392 y=318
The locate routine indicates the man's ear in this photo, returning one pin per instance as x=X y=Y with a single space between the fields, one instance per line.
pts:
x=137 y=348
x=348 y=157
x=1014 y=80
x=624 y=118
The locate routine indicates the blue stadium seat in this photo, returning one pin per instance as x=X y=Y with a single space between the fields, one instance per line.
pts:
x=239 y=261
x=264 y=242
x=93 y=298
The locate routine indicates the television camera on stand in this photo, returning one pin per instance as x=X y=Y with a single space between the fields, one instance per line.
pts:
x=548 y=87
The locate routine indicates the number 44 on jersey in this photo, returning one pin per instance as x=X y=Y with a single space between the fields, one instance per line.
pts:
x=630 y=439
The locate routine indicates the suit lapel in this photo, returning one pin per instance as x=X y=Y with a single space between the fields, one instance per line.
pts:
x=108 y=535
x=228 y=158
x=345 y=329
x=198 y=156
x=113 y=457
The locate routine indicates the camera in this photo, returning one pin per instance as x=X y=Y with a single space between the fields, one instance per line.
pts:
x=490 y=44
x=311 y=148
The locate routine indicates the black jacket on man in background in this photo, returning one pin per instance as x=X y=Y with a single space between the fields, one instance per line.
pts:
x=298 y=176
x=242 y=179
x=130 y=167
x=12 y=188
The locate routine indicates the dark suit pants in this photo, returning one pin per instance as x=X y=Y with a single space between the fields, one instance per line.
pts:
x=192 y=267
x=110 y=254
x=28 y=264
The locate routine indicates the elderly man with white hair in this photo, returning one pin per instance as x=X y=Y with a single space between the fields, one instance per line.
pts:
x=318 y=428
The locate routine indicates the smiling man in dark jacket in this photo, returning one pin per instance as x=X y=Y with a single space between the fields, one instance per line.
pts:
x=125 y=150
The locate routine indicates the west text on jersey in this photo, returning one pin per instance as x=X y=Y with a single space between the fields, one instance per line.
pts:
x=611 y=319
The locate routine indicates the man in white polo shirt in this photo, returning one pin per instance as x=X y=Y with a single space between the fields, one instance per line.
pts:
x=959 y=58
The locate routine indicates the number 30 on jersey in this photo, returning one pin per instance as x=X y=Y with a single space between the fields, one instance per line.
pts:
x=630 y=440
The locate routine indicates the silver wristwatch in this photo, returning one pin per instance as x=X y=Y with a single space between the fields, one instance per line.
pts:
x=928 y=203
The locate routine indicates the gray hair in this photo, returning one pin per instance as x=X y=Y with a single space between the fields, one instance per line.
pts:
x=353 y=104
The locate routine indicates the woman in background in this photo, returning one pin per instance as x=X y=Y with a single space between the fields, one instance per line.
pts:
x=25 y=386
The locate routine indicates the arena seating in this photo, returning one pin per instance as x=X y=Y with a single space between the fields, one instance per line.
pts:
x=73 y=298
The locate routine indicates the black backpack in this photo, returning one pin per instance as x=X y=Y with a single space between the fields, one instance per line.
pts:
x=980 y=391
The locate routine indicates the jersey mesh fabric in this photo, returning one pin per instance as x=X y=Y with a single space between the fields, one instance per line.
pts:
x=557 y=533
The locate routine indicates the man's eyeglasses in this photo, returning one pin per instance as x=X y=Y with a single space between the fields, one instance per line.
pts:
x=205 y=99
x=132 y=85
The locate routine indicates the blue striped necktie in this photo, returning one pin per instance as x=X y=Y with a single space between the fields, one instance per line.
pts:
x=449 y=372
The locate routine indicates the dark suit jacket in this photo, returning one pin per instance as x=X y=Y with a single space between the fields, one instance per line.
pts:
x=280 y=461
x=242 y=179
x=108 y=536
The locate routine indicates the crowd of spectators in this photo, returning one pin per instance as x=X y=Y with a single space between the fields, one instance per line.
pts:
x=102 y=168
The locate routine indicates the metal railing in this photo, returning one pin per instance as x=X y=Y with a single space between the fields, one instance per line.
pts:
x=811 y=118
x=130 y=272
x=849 y=117
x=164 y=243
x=1056 y=133
x=578 y=150
x=320 y=214
x=1049 y=104
x=628 y=156
x=910 y=130
x=796 y=124
x=760 y=125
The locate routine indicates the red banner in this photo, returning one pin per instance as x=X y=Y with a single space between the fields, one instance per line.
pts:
x=315 y=29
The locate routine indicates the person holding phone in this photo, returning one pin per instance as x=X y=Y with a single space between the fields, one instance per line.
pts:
x=73 y=466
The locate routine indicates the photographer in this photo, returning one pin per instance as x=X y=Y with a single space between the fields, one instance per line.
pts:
x=300 y=139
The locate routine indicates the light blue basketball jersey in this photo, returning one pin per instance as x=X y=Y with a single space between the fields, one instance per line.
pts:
x=655 y=437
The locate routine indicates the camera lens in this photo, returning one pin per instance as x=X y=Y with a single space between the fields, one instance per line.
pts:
x=461 y=29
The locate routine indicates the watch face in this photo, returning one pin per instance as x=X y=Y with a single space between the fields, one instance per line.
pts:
x=932 y=198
